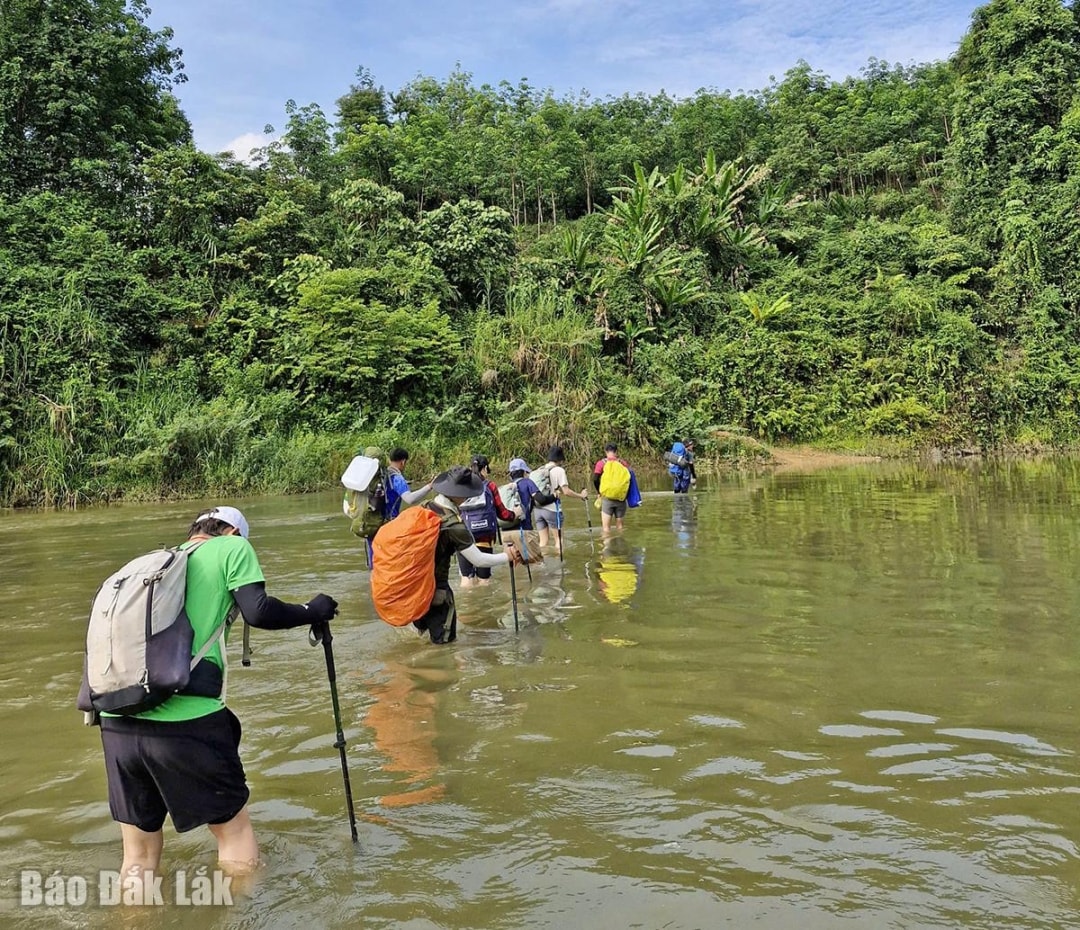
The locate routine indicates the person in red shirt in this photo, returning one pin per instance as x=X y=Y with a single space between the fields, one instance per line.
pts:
x=481 y=515
x=609 y=508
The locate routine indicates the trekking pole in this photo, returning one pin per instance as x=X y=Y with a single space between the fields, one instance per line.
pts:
x=558 y=525
x=245 y=656
x=320 y=633
x=588 y=519
x=513 y=596
x=513 y=583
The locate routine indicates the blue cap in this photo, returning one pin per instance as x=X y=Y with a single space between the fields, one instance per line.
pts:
x=518 y=465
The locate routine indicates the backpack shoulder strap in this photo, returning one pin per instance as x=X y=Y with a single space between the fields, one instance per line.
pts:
x=445 y=515
x=231 y=616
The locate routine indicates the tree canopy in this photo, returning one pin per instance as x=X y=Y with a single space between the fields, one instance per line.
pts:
x=890 y=256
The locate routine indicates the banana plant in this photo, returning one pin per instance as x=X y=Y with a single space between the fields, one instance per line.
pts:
x=761 y=310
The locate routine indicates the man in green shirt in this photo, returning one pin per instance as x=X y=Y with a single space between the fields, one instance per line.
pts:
x=182 y=757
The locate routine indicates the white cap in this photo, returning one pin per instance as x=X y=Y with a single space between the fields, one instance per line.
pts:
x=229 y=515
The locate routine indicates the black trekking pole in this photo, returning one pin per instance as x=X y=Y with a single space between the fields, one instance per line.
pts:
x=320 y=633
x=513 y=596
x=513 y=584
x=588 y=519
x=558 y=525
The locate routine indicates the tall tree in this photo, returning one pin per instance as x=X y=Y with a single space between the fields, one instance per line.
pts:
x=82 y=80
x=1018 y=68
x=364 y=103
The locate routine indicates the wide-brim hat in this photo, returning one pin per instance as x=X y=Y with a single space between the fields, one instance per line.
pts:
x=458 y=482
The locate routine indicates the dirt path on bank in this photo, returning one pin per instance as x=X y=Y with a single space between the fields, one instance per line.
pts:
x=803 y=458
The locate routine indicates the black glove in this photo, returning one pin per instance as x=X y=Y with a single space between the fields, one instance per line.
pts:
x=321 y=608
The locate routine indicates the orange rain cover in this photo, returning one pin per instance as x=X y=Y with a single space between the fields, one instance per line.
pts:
x=403 y=566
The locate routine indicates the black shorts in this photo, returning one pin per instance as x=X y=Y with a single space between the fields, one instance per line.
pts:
x=190 y=769
x=467 y=569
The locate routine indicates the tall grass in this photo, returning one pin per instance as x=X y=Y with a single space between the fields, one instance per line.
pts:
x=541 y=370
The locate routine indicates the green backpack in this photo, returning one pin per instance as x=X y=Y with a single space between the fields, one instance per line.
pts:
x=366 y=481
x=541 y=477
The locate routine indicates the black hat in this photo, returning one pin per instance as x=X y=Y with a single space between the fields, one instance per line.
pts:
x=458 y=481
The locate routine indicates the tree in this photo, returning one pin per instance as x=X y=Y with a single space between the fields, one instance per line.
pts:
x=82 y=81
x=349 y=335
x=1018 y=68
x=473 y=245
x=364 y=103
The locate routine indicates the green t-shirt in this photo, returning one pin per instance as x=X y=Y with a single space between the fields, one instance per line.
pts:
x=220 y=566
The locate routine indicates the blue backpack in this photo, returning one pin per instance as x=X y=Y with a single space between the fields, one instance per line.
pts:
x=479 y=515
x=677 y=459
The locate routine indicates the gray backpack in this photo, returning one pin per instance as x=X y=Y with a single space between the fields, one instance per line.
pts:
x=139 y=638
x=541 y=477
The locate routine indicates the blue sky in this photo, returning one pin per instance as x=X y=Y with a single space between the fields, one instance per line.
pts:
x=245 y=58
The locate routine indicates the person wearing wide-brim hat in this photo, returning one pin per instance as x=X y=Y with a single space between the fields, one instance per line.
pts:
x=452 y=487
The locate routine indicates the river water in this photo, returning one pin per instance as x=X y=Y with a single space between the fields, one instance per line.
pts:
x=826 y=700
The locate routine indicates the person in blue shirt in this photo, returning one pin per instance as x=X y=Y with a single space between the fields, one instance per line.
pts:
x=397 y=490
x=526 y=488
x=683 y=476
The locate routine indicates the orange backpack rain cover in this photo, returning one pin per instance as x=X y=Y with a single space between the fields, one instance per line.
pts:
x=403 y=566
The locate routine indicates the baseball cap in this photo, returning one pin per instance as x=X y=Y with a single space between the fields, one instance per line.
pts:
x=229 y=515
x=518 y=465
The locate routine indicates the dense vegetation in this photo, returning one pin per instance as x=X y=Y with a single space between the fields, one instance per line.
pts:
x=456 y=267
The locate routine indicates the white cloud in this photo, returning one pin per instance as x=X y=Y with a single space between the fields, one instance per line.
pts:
x=242 y=146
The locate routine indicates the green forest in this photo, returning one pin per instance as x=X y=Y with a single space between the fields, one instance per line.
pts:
x=888 y=259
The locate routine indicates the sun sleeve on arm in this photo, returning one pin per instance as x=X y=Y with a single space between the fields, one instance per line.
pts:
x=412 y=497
x=266 y=612
x=483 y=559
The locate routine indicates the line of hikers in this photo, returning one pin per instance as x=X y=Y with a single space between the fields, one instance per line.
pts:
x=410 y=553
x=170 y=742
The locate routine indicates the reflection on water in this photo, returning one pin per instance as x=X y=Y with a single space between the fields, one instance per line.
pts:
x=684 y=519
x=401 y=719
x=617 y=568
x=843 y=700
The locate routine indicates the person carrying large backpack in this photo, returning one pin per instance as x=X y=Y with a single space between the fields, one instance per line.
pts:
x=612 y=478
x=410 y=575
x=552 y=484
x=481 y=514
x=524 y=489
x=680 y=462
x=179 y=757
